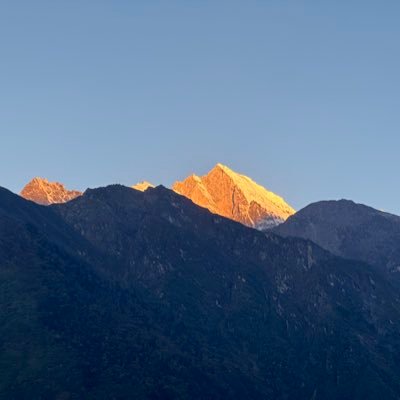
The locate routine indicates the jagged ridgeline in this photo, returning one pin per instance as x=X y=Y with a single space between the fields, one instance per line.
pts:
x=43 y=192
x=222 y=191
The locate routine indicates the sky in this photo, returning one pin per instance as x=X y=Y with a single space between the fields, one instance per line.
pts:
x=302 y=96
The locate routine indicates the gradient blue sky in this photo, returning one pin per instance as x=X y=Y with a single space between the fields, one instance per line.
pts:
x=303 y=96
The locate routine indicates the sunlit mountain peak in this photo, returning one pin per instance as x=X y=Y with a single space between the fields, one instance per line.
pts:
x=43 y=192
x=235 y=196
x=142 y=186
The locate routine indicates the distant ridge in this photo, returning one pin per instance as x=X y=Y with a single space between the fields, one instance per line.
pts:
x=222 y=191
x=235 y=196
x=43 y=192
x=142 y=186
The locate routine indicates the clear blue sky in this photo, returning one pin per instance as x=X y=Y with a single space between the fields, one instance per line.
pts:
x=303 y=96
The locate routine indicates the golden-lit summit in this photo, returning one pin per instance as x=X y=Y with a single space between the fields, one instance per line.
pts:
x=235 y=196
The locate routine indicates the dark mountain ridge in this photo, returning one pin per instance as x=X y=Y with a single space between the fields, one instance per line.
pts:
x=350 y=230
x=123 y=294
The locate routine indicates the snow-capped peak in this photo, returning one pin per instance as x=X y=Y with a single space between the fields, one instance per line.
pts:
x=235 y=196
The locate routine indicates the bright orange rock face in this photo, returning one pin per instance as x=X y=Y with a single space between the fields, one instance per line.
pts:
x=222 y=191
x=143 y=186
x=235 y=196
x=43 y=192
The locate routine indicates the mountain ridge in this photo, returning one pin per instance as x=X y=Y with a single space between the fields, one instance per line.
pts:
x=164 y=300
x=222 y=191
x=44 y=192
x=349 y=230
x=235 y=196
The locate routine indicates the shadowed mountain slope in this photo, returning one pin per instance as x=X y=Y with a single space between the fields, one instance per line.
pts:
x=350 y=230
x=127 y=294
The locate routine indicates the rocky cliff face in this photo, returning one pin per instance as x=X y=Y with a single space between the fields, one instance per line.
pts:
x=43 y=192
x=222 y=191
x=235 y=196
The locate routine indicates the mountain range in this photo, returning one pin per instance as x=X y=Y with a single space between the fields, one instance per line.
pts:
x=146 y=294
x=222 y=191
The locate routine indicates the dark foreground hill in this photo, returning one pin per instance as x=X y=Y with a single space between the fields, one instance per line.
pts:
x=120 y=294
x=350 y=230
